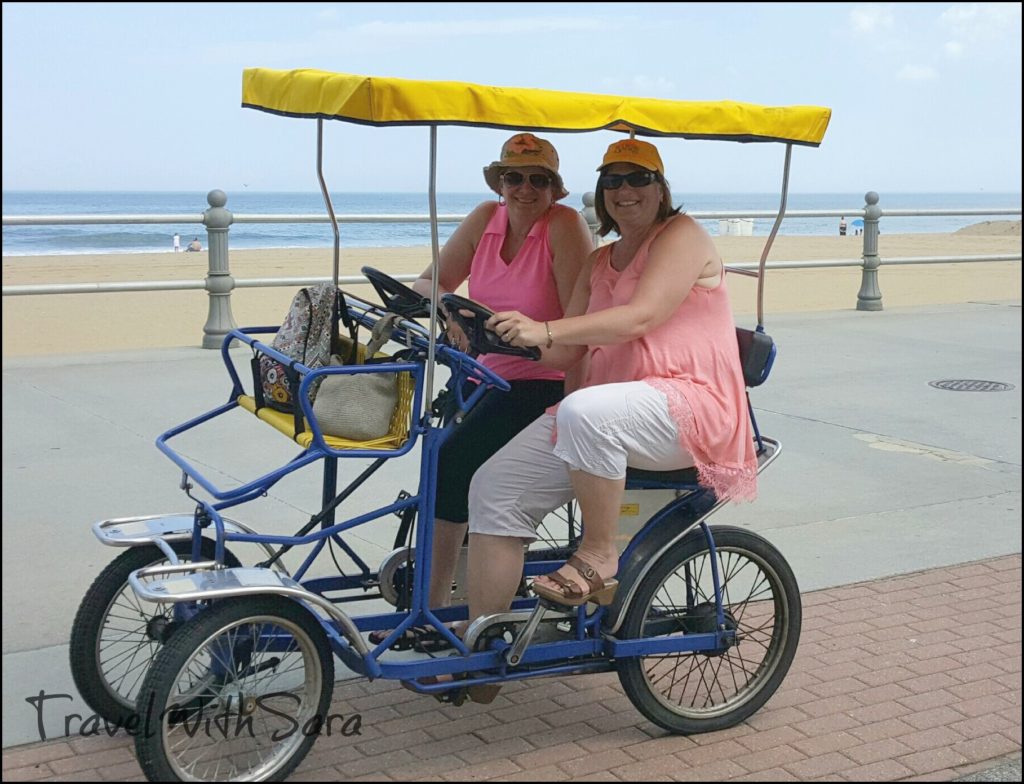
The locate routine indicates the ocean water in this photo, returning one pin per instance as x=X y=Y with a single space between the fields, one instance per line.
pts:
x=136 y=238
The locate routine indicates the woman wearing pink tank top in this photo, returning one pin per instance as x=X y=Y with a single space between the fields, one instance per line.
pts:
x=663 y=390
x=522 y=253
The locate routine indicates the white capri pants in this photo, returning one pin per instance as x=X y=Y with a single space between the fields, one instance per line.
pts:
x=601 y=430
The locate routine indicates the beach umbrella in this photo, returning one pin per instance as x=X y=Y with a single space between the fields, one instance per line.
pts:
x=858 y=223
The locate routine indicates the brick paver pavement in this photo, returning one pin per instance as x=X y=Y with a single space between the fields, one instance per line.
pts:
x=916 y=677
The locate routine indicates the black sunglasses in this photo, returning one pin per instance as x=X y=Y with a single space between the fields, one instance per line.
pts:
x=515 y=179
x=636 y=179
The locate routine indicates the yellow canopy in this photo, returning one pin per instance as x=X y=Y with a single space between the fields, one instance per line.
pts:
x=371 y=100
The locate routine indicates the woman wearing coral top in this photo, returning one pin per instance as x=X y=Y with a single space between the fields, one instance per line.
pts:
x=663 y=390
x=523 y=252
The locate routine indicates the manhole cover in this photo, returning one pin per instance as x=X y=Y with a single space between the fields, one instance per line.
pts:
x=970 y=385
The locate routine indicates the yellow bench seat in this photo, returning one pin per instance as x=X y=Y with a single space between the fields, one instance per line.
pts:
x=396 y=437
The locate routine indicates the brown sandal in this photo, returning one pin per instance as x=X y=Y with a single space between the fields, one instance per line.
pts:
x=601 y=591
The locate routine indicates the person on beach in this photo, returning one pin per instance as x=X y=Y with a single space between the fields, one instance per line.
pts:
x=522 y=252
x=176 y=243
x=195 y=246
x=663 y=390
x=842 y=226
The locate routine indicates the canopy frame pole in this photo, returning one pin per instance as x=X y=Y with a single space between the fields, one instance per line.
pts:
x=771 y=237
x=327 y=197
x=435 y=255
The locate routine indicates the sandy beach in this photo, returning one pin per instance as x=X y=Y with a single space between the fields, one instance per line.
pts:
x=73 y=323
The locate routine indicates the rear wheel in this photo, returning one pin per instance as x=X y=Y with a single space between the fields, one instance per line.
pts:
x=239 y=693
x=115 y=635
x=692 y=692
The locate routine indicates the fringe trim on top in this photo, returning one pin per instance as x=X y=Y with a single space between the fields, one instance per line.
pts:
x=726 y=482
x=736 y=484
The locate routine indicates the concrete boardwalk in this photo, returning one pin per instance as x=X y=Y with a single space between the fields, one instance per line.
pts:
x=881 y=475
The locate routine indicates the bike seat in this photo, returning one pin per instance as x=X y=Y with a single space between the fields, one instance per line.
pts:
x=637 y=478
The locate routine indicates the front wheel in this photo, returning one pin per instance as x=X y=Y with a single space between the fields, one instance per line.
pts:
x=239 y=693
x=706 y=691
x=115 y=635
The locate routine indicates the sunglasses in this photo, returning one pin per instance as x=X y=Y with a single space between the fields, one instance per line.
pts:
x=636 y=179
x=514 y=179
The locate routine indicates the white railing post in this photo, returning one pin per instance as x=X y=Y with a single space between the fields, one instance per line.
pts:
x=590 y=216
x=870 y=296
x=219 y=282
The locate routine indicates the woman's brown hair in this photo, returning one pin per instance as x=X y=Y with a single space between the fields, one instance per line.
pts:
x=608 y=225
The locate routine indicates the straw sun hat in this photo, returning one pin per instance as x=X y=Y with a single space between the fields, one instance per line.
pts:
x=525 y=149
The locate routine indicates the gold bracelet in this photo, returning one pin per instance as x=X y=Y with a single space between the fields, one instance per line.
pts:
x=551 y=340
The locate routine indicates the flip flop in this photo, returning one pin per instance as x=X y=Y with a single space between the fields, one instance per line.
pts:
x=602 y=591
x=418 y=638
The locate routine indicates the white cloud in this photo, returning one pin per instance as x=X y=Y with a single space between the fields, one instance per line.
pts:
x=916 y=73
x=980 y=21
x=871 y=18
x=954 y=49
x=976 y=25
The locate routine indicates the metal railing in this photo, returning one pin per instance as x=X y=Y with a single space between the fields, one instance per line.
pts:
x=219 y=283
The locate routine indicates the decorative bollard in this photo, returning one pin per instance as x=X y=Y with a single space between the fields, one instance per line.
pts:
x=870 y=296
x=219 y=282
x=590 y=216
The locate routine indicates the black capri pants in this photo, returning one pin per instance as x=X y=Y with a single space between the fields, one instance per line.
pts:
x=487 y=428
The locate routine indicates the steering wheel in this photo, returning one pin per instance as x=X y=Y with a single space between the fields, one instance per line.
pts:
x=481 y=339
x=397 y=297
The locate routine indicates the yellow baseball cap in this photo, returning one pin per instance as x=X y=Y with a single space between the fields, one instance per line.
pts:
x=635 y=151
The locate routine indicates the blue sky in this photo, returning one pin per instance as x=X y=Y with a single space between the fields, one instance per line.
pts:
x=925 y=97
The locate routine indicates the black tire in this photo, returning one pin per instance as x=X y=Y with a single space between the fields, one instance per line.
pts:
x=691 y=692
x=107 y=671
x=256 y=711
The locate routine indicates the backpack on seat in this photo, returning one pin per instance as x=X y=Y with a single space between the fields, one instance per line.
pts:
x=306 y=336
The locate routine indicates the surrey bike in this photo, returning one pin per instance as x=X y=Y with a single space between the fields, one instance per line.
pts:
x=705 y=622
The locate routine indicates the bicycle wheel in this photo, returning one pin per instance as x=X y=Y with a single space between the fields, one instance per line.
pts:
x=239 y=693
x=692 y=692
x=558 y=534
x=115 y=636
